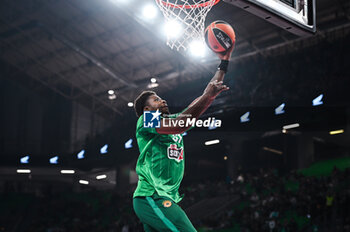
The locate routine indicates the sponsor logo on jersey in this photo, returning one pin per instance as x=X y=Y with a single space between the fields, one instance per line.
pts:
x=151 y=119
x=175 y=153
x=167 y=203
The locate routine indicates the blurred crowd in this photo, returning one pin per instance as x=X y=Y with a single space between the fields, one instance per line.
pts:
x=267 y=202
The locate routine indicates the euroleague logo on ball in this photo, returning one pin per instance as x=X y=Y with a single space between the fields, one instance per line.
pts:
x=220 y=36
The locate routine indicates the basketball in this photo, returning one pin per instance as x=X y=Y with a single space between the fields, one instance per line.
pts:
x=219 y=36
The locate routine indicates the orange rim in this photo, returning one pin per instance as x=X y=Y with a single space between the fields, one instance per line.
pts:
x=204 y=4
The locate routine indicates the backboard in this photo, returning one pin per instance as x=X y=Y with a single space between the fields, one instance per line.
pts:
x=295 y=16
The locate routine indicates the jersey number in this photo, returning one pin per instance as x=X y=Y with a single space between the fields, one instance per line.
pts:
x=177 y=138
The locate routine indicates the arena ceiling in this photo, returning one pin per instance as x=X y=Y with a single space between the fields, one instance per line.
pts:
x=81 y=49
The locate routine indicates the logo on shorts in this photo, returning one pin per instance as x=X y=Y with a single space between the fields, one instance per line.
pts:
x=166 y=203
x=175 y=153
x=151 y=119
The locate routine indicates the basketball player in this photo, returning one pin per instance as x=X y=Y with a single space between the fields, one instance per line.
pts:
x=160 y=166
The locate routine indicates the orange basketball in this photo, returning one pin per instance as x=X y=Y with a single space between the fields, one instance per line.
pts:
x=220 y=36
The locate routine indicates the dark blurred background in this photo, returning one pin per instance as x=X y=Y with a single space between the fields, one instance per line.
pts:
x=70 y=70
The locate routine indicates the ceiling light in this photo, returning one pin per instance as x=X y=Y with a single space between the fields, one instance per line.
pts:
x=197 y=48
x=23 y=171
x=173 y=29
x=130 y=104
x=211 y=142
x=112 y=97
x=111 y=91
x=153 y=80
x=272 y=150
x=336 y=132
x=149 y=11
x=67 y=171
x=225 y=157
x=83 y=182
x=100 y=177
x=152 y=85
x=287 y=127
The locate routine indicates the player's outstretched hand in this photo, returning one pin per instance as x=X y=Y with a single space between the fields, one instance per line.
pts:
x=214 y=88
x=226 y=55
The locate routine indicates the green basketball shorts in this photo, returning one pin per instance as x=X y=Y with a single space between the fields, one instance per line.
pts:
x=161 y=214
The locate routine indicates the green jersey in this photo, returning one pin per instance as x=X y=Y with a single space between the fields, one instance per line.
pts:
x=160 y=166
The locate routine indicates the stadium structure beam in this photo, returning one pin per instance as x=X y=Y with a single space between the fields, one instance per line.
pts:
x=55 y=77
x=83 y=53
x=62 y=77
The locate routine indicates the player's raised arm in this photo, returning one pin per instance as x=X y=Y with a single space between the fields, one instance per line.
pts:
x=200 y=104
x=195 y=110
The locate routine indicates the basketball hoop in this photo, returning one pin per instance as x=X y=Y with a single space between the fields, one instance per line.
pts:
x=190 y=14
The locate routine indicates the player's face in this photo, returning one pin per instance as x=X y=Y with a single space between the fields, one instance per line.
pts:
x=155 y=102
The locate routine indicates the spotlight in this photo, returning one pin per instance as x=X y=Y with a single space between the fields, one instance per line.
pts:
x=173 y=29
x=111 y=91
x=153 y=80
x=120 y=1
x=197 y=48
x=149 y=11
x=130 y=104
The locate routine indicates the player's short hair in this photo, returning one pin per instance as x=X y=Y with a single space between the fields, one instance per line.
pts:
x=141 y=101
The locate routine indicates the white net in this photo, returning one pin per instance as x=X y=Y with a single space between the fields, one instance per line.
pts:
x=185 y=20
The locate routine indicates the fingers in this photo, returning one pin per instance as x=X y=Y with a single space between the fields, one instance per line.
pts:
x=216 y=82
x=219 y=86
x=227 y=54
